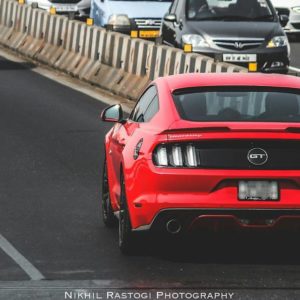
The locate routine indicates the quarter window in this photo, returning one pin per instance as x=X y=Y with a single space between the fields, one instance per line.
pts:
x=146 y=107
x=151 y=110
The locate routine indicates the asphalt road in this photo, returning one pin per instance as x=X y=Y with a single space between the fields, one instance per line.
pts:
x=51 y=153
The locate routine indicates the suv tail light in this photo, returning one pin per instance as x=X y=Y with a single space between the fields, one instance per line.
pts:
x=176 y=155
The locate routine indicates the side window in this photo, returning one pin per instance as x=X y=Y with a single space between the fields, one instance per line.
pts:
x=139 y=112
x=152 y=109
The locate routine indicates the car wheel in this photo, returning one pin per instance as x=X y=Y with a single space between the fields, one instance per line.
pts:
x=127 y=239
x=108 y=216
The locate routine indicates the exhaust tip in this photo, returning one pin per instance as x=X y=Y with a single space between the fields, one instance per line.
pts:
x=173 y=226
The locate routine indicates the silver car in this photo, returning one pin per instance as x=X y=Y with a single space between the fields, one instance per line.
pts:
x=290 y=8
x=76 y=7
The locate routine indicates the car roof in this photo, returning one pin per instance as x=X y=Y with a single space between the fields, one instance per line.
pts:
x=192 y=80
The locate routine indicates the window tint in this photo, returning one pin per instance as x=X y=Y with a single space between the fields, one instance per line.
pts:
x=145 y=107
x=151 y=110
x=239 y=104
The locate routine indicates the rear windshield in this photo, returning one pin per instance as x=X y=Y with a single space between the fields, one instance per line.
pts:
x=243 y=104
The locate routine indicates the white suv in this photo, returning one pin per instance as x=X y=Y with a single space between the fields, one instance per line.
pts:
x=290 y=8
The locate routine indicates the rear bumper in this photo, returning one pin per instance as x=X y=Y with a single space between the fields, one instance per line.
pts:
x=218 y=219
x=154 y=192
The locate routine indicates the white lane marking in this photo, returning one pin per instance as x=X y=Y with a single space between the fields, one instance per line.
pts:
x=294 y=69
x=73 y=83
x=26 y=265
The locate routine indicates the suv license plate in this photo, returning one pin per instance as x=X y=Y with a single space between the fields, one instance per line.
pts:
x=258 y=191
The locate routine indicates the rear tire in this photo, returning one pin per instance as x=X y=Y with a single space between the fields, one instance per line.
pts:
x=108 y=216
x=127 y=239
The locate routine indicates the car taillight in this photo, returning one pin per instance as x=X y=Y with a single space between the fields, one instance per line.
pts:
x=177 y=159
x=191 y=156
x=177 y=156
x=162 y=156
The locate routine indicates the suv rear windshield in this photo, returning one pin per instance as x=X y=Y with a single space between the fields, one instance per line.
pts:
x=242 y=104
x=231 y=10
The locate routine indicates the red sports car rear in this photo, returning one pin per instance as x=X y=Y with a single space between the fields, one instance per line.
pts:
x=201 y=150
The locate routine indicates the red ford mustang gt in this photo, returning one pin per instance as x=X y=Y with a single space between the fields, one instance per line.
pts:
x=204 y=149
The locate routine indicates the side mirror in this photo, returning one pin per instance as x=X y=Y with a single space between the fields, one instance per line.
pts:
x=283 y=19
x=112 y=113
x=170 y=18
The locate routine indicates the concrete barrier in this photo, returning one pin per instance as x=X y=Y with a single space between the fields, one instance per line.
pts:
x=110 y=60
x=54 y=38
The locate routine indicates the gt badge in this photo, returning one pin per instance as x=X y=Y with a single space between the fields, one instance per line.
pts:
x=257 y=156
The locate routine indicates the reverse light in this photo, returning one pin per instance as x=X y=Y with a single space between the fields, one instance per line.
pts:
x=162 y=156
x=191 y=156
x=278 y=41
x=177 y=156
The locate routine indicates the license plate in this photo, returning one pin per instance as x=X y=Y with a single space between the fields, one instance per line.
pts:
x=66 y=8
x=258 y=191
x=149 y=33
x=239 y=57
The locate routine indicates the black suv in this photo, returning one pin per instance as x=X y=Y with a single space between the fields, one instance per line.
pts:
x=244 y=32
